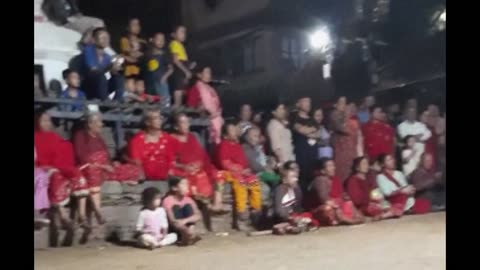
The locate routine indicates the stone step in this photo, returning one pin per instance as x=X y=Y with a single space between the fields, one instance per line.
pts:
x=40 y=238
x=121 y=204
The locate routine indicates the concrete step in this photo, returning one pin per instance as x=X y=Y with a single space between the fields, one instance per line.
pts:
x=40 y=238
x=120 y=206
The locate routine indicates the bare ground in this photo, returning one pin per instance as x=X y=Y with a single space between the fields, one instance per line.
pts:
x=413 y=242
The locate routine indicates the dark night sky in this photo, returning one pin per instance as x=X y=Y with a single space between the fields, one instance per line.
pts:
x=155 y=15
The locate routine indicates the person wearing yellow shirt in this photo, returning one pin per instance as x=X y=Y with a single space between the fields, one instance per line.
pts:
x=182 y=68
x=131 y=47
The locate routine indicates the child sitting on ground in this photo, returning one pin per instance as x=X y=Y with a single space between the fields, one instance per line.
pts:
x=182 y=211
x=288 y=214
x=152 y=224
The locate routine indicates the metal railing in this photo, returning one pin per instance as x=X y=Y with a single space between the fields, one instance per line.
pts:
x=115 y=114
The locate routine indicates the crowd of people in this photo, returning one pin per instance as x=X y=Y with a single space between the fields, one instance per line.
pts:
x=144 y=71
x=306 y=171
x=336 y=165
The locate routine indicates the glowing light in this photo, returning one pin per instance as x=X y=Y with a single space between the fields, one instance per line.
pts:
x=320 y=39
x=443 y=16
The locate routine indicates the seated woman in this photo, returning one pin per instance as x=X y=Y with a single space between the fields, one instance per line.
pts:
x=182 y=211
x=91 y=153
x=193 y=163
x=363 y=191
x=55 y=155
x=396 y=190
x=245 y=184
x=428 y=183
x=329 y=204
x=288 y=214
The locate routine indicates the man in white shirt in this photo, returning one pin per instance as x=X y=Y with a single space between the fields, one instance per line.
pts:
x=414 y=128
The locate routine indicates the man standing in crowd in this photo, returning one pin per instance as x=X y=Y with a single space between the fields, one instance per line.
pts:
x=378 y=136
x=305 y=137
x=365 y=109
x=245 y=116
x=102 y=74
x=414 y=128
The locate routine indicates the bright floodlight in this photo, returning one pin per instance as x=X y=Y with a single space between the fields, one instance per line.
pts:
x=320 y=39
x=443 y=16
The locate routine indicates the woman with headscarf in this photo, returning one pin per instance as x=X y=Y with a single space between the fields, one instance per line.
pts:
x=55 y=155
x=346 y=138
x=193 y=163
x=91 y=153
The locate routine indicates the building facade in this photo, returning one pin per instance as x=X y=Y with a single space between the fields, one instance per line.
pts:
x=260 y=47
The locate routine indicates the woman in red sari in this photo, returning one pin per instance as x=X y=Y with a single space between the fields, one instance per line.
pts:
x=193 y=163
x=329 y=204
x=363 y=190
x=346 y=138
x=92 y=154
x=56 y=156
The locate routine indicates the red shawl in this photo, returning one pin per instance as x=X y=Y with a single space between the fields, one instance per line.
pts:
x=157 y=158
x=336 y=188
x=378 y=138
x=86 y=145
x=230 y=156
x=359 y=191
x=191 y=152
x=53 y=150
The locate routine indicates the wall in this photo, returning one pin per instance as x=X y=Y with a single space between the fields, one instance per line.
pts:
x=198 y=16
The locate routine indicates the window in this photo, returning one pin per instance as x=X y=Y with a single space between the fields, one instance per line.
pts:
x=291 y=50
x=249 y=63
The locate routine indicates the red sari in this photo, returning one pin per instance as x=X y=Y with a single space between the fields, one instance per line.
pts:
x=378 y=139
x=207 y=176
x=345 y=143
x=91 y=150
x=56 y=154
x=157 y=158
x=360 y=191
x=431 y=145
x=398 y=200
x=330 y=205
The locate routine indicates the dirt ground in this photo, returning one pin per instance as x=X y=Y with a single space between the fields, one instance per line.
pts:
x=413 y=242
